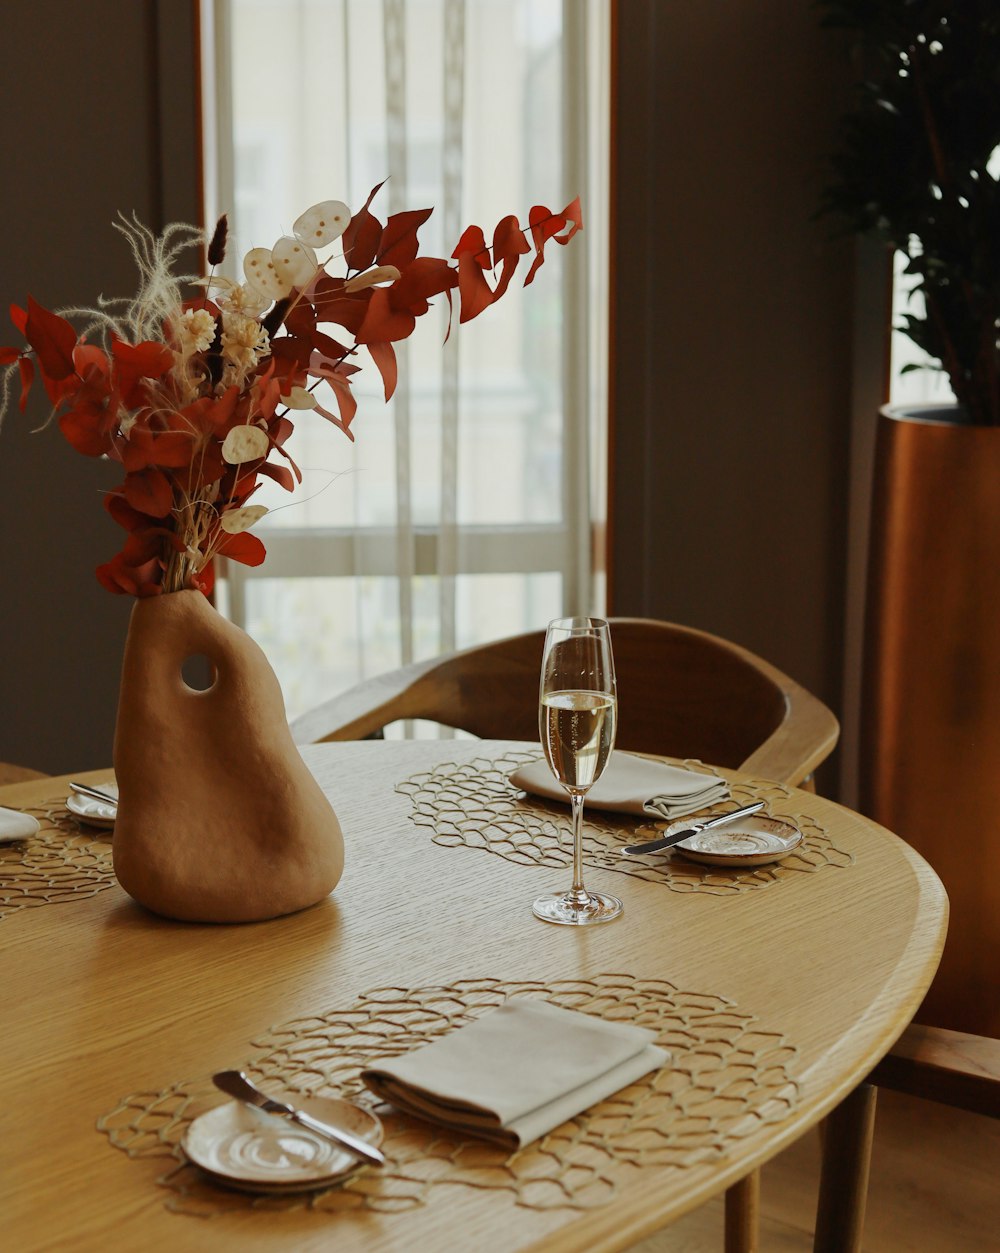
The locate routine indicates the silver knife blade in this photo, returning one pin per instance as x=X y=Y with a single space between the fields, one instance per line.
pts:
x=235 y=1083
x=678 y=837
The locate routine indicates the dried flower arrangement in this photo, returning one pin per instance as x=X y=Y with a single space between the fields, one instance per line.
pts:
x=194 y=396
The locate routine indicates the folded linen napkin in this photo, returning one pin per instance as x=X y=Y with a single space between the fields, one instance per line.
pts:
x=633 y=785
x=16 y=826
x=517 y=1072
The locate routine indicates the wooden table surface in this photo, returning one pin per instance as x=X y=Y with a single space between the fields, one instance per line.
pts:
x=775 y=992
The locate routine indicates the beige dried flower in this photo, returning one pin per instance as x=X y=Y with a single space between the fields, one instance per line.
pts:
x=195 y=330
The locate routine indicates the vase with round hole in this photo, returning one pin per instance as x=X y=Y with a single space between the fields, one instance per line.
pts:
x=219 y=820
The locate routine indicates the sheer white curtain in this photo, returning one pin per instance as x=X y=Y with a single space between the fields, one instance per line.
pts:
x=464 y=509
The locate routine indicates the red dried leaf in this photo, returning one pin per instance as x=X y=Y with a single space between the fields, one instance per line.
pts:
x=363 y=235
x=332 y=304
x=301 y=320
x=244 y=548
x=399 y=244
x=509 y=245
x=149 y=491
x=113 y=577
x=136 y=571
x=204 y=580
x=384 y=357
x=19 y=317
x=128 y=519
x=53 y=339
x=476 y=294
x=546 y=225
x=281 y=475
x=330 y=348
x=137 y=362
x=290 y=353
x=473 y=244
x=424 y=278
x=382 y=323
x=26 y=367
x=9 y=355
x=145 y=448
x=346 y=401
x=88 y=428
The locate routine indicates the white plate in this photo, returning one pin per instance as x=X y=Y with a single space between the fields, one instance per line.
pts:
x=751 y=841
x=257 y=1152
x=93 y=812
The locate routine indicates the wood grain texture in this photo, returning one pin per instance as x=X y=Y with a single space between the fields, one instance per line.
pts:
x=104 y=1000
x=681 y=693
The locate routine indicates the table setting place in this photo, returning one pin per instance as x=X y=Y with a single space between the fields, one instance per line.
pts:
x=471 y=1082
x=578 y=709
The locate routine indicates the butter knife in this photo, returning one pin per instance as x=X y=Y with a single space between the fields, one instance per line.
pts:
x=678 y=837
x=235 y=1083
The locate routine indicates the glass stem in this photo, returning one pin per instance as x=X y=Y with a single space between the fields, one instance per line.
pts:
x=577 y=891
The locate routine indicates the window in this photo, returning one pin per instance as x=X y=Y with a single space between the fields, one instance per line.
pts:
x=465 y=509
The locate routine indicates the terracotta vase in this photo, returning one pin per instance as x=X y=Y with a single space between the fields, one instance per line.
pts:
x=930 y=733
x=218 y=818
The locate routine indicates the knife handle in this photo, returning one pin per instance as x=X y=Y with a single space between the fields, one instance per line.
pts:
x=361 y=1148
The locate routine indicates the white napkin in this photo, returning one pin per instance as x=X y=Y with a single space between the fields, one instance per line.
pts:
x=16 y=826
x=517 y=1072
x=633 y=785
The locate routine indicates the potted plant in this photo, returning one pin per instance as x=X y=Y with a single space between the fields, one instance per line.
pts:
x=918 y=169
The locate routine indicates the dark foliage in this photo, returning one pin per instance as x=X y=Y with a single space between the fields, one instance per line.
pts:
x=914 y=170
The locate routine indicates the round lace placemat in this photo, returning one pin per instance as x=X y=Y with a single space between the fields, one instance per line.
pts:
x=728 y=1076
x=473 y=805
x=65 y=861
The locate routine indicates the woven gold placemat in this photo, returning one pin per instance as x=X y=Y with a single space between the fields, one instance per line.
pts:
x=473 y=805
x=65 y=861
x=728 y=1075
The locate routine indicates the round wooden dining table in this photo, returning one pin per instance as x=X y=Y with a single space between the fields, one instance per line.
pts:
x=774 y=989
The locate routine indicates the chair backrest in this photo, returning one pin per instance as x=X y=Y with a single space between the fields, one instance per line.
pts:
x=682 y=693
x=9 y=773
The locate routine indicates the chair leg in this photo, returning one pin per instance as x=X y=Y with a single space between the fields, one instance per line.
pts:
x=743 y=1215
x=843 y=1186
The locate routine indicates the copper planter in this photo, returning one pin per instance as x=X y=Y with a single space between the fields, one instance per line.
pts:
x=930 y=733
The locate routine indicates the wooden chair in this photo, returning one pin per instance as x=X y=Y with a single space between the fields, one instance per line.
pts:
x=681 y=693
x=949 y=1067
x=10 y=773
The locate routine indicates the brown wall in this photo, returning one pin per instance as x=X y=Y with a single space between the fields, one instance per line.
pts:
x=732 y=314
x=96 y=115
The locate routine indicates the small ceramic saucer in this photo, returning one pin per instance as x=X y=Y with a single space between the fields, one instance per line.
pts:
x=93 y=812
x=751 y=841
x=245 y=1148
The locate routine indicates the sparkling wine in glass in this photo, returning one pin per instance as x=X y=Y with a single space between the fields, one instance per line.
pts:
x=578 y=708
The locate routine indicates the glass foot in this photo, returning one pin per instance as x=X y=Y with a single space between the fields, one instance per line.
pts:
x=577 y=909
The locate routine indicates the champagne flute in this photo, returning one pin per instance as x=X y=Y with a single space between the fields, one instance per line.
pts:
x=577 y=714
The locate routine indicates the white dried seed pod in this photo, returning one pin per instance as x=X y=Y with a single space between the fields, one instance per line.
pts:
x=261 y=274
x=234 y=521
x=294 y=261
x=322 y=224
x=378 y=274
x=299 y=398
x=245 y=443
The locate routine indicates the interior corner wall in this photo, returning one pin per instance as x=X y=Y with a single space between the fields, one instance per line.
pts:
x=731 y=330
x=98 y=115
